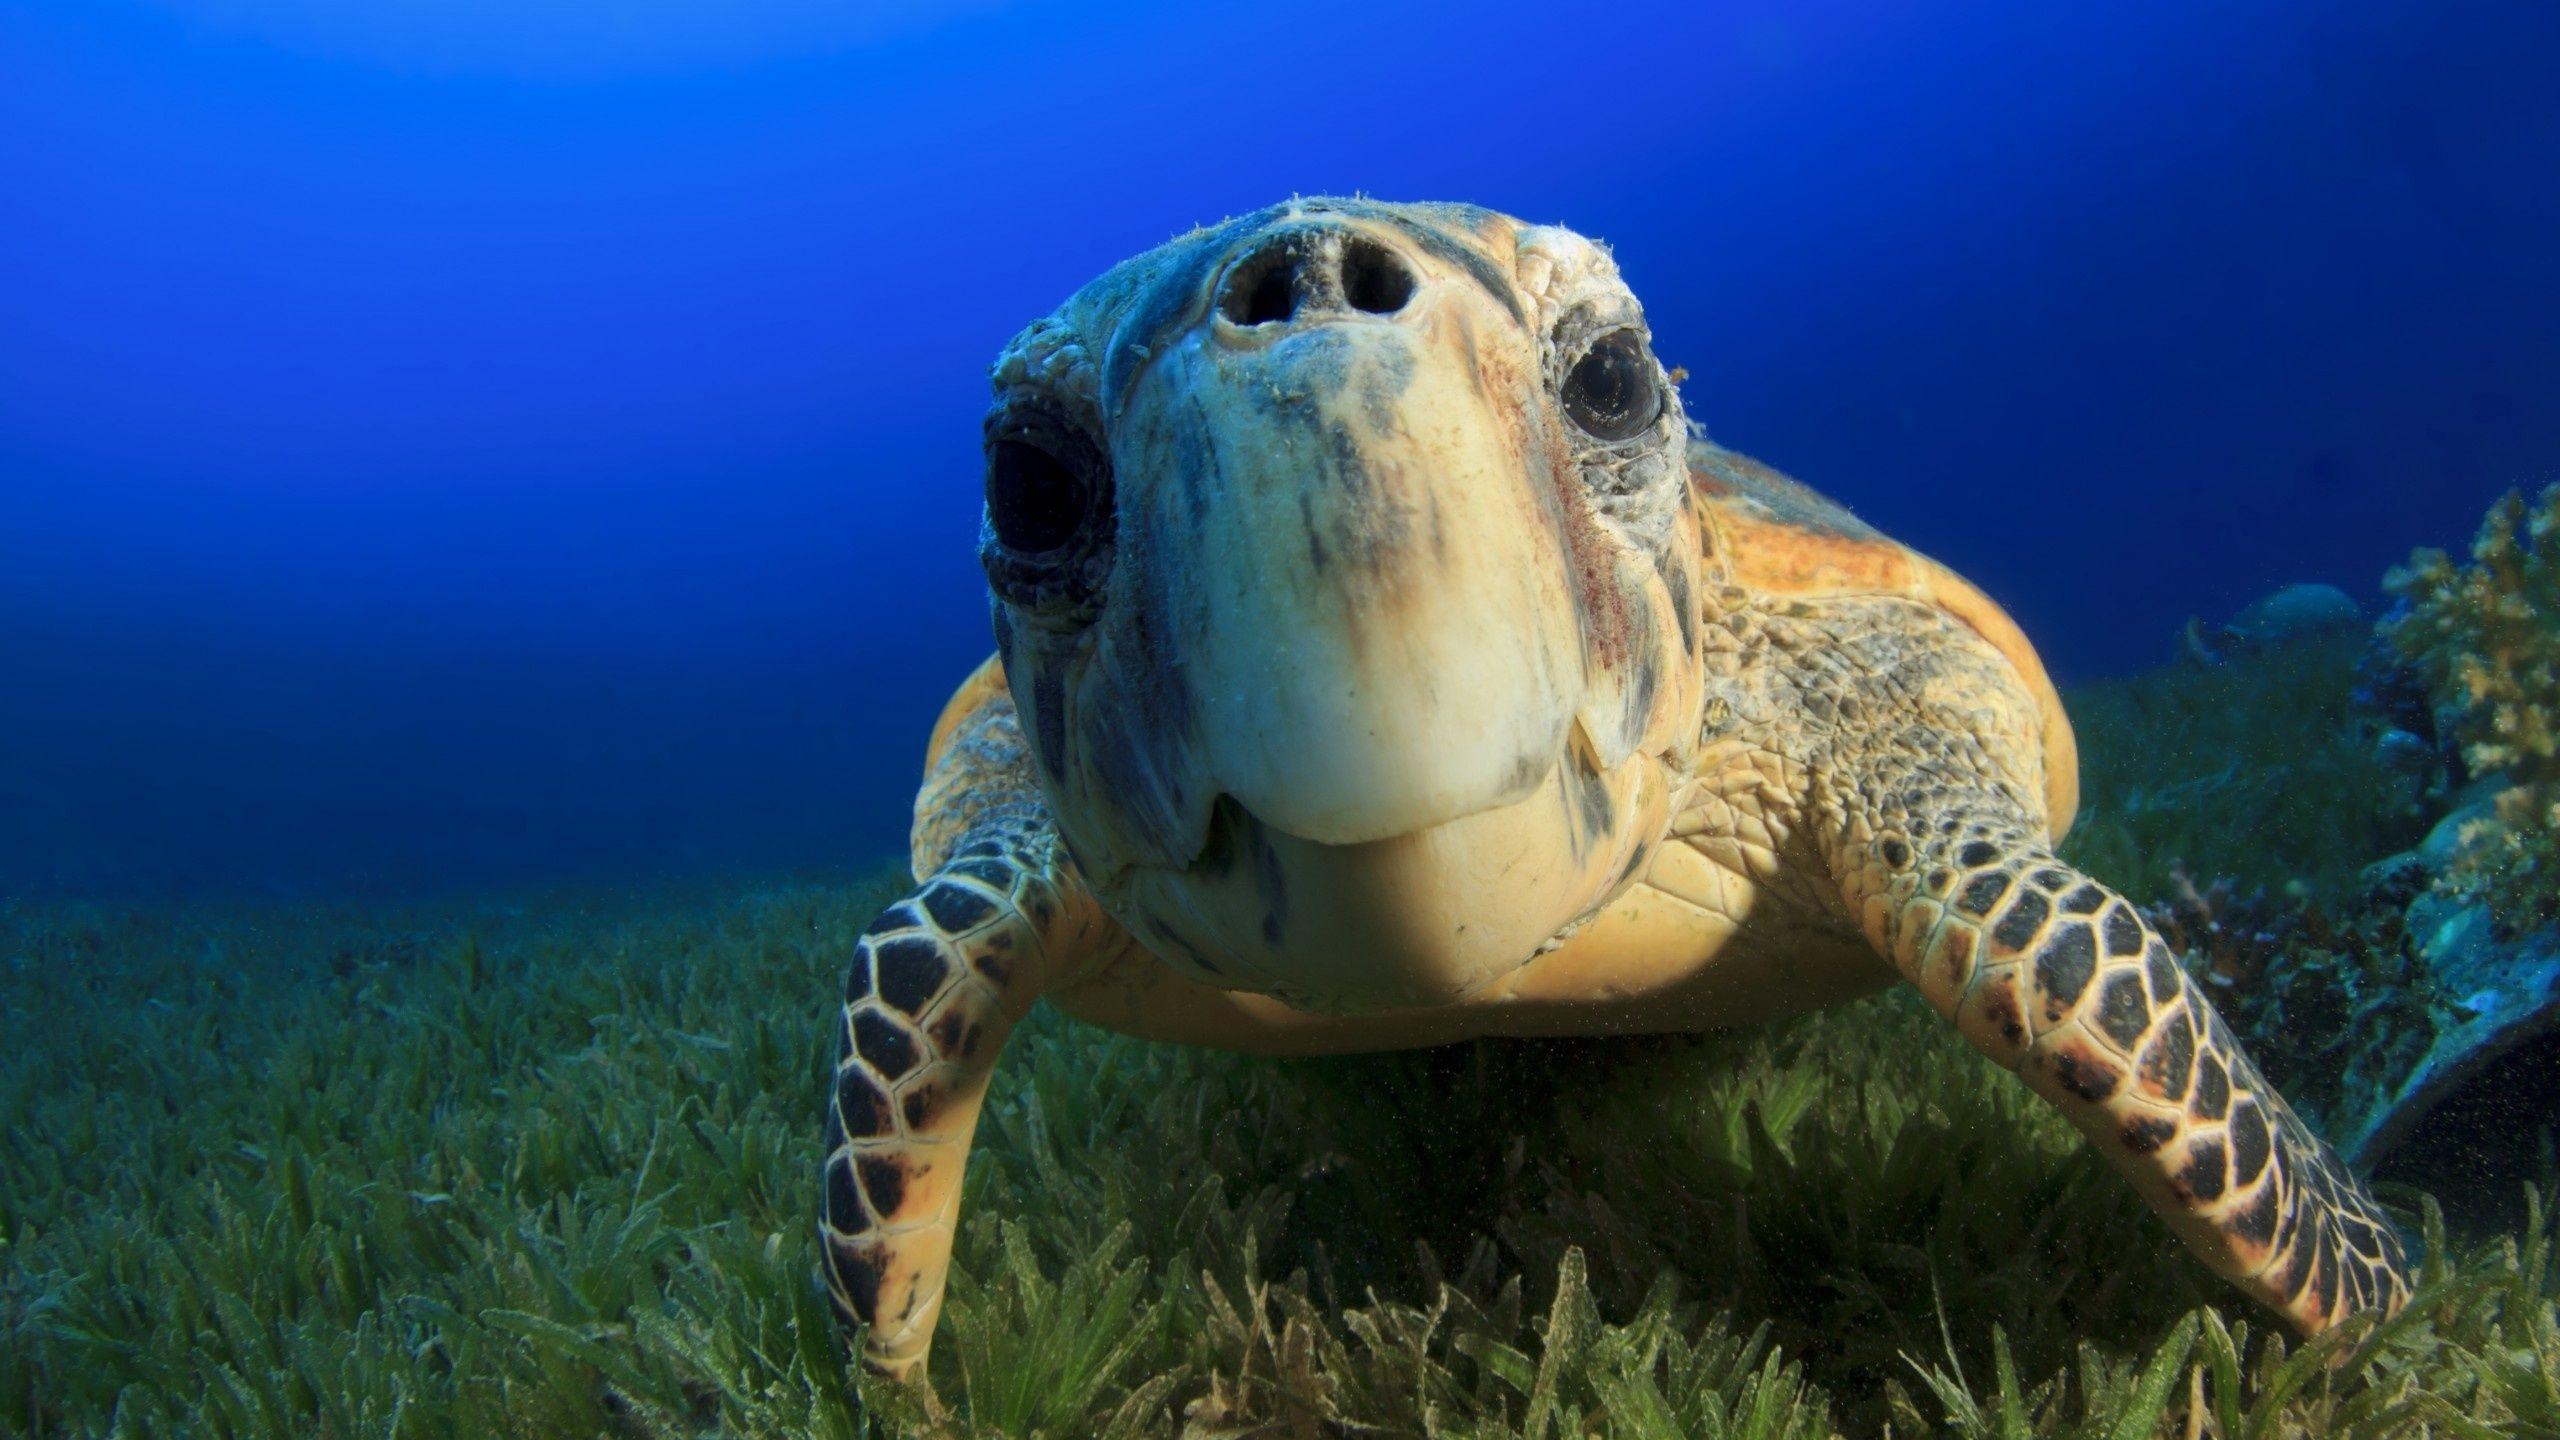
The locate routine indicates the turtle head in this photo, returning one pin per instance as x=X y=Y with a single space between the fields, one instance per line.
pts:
x=1343 y=566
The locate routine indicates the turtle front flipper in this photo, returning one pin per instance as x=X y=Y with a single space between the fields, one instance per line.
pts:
x=936 y=984
x=2059 y=979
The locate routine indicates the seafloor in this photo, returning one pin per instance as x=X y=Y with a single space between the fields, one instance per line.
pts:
x=545 y=1165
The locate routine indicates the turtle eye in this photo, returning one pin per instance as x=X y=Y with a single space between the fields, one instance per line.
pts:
x=1614 y=392
x=1035 y=500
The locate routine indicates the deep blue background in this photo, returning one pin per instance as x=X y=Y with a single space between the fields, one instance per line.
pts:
x=445 y=441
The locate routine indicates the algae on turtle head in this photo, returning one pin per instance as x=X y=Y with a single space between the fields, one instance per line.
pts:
x=1383 y=660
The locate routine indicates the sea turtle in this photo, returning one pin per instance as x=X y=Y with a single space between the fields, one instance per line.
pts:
x=1382 y=659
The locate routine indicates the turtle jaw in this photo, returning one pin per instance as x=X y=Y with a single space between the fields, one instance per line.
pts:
x=1426 y=918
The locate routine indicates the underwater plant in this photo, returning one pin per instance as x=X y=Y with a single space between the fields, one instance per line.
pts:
x=2486 y=638
x=2340 y=1008
x=2380 y=918
x=536 y=1170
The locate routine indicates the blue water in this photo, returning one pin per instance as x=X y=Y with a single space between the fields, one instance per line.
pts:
x=448 y=443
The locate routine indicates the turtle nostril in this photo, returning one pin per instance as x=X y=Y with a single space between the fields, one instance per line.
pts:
x=1312 y=274
x=1265 y=290
x=1373 y=279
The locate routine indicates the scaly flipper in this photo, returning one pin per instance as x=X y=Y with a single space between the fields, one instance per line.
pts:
x=2058 y=978
x=937 y=983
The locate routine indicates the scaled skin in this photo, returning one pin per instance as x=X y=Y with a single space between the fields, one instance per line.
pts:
x=1376 y=668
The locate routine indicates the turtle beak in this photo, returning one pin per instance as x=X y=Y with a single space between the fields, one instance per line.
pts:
x=1353 y=546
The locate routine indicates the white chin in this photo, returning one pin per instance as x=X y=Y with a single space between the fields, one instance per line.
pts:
x=1425 y=917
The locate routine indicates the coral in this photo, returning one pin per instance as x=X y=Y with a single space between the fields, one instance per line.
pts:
x=2337 y=1007
x=2486 y=638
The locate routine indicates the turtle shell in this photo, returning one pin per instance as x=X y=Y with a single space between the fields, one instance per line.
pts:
x=1780 y=537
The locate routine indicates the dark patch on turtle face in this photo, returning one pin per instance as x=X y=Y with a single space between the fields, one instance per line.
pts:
x=1977 y=853
x=1217 y=857
x=1896 y=854
x=1648 y=680
x=957 y=908
x=2063 y=968
x=2202 y=1177
x=2123 y=1013
x=857 y=979
x=1684 y=605
x=1121 y=760
x=2124 y=932
x=884 y=1181
x=2254 y=1223
x=1049 y=717
x=2083 y=1074
x=1196 y=467
x=2051 y=880
x=844 y=1211
x=1152 y=711
x=2087 y=900
x=1161 y=937
x=1466 y=259
x=865 y=1110
x=1637 y=859
x=2023 y=920
x=912 y=971
x=1940 y=879
x=2213 y=1088
x=994 y=959
x=1271 y=885
x=1591 y=800
x=2144 y=1134
x=1358 y=528
x=856 y=1271
x=1171 y=303
x=2250 y=1143
x=1981 y=893
x=2168 y=1062
x=1001 y=616
x=884 y=1047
